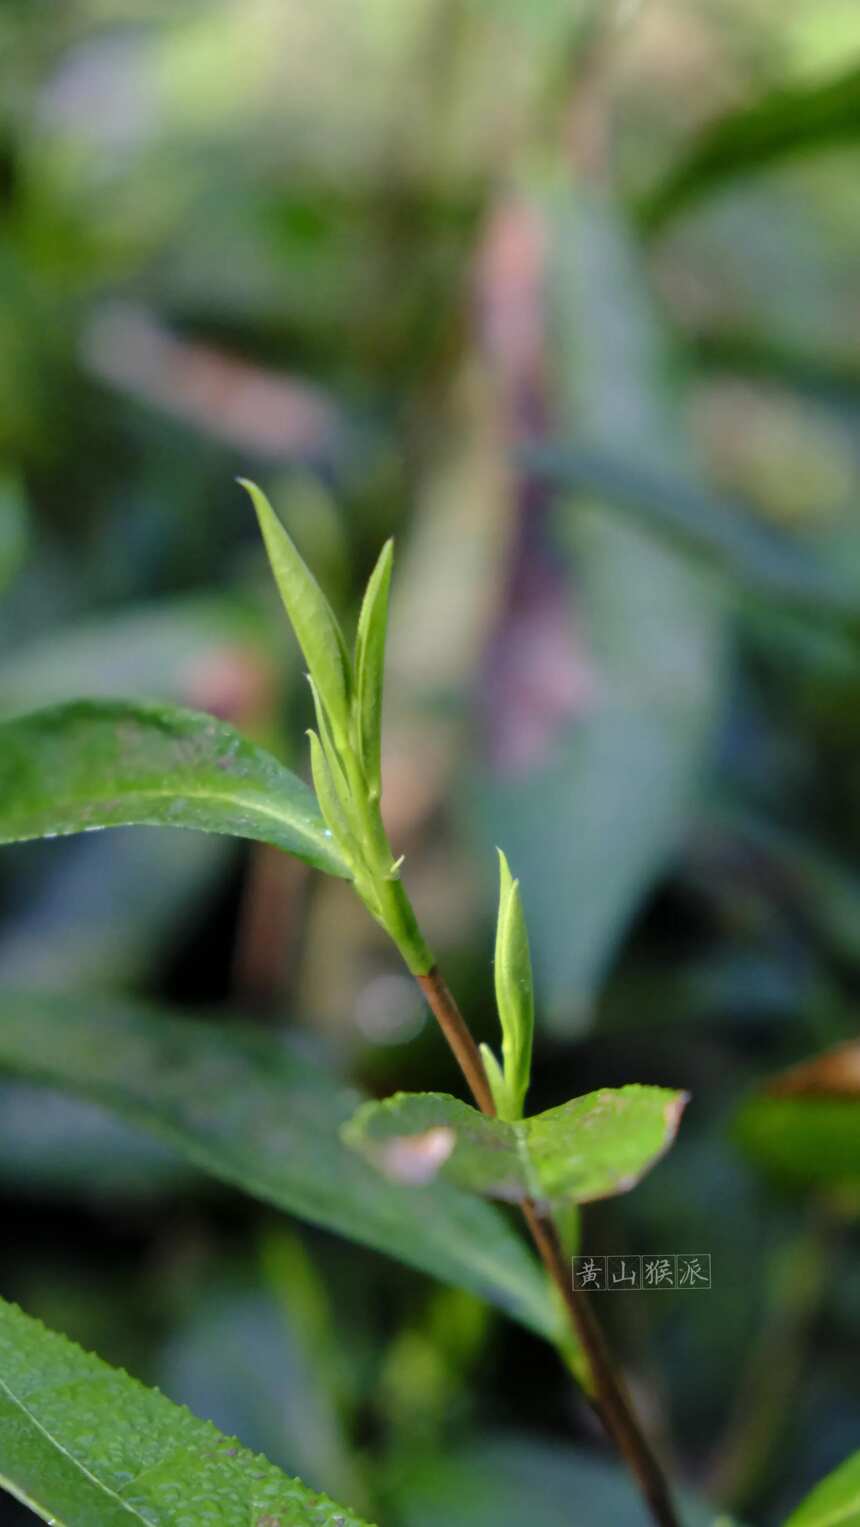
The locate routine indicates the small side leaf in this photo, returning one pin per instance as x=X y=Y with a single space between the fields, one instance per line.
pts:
x=110 y=763
x=369 y=666
x=496 y=1079
x=81 y=1442
x=592 y=1147
x=310 y=613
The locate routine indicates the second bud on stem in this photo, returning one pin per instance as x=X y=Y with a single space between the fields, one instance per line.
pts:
x=515 y=1001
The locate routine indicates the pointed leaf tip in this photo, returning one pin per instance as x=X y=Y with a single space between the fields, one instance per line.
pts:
x=370 y=664
x=310 y=613
x=514 y=988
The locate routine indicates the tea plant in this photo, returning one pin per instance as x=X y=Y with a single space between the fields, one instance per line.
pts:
x=81 y=1443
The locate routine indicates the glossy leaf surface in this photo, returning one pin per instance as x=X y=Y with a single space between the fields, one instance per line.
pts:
x=82 y=1443
x=110 y=763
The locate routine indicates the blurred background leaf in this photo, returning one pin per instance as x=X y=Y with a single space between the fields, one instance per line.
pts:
x=565 y=298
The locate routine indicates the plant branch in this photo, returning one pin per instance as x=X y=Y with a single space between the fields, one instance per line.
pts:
x=459 y=1036
x=611 y=1402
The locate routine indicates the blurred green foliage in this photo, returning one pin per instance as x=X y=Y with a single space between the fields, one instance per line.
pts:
x=565 y=297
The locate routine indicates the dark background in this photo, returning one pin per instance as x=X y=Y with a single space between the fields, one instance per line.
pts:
x=472 y=273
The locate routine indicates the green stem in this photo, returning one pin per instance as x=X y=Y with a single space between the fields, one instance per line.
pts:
x=393 y=907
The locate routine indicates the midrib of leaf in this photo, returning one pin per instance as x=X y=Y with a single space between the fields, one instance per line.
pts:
x=150 y=793
x=59 y=1448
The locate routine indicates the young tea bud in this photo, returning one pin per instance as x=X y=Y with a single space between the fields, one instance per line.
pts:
x=311 y=616
x=369 y=664
x=514 y=991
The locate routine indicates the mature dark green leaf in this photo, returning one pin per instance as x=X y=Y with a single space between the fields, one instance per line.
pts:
x=592 y=1147
x=790 y=120
x=54 y=1147
x=833 y=1503
x=82 y=1443
x=91 y=764
x=247 y=1109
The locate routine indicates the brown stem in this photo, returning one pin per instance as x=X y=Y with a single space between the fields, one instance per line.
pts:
x=459 y=1037
x=612 y=1403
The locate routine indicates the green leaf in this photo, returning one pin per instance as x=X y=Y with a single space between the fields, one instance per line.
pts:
x=503 y=1477
x=720 y=532
x=82 y=1443
x=789 y=120
x=93 y=763
x=514 y=991
x=331 y=782
x=804 y=1142
x=370 y=664
x=498 y=1085
x=592 y=1147
x=835 y=1502
x=602 y=810
x=14 y=528
x=310 y=613
x=245 y=1108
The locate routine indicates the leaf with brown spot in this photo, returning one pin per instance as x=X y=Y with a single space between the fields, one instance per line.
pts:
x=592 y=1147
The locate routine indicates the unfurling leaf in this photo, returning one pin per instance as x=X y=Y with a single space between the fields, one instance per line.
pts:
x=514 y=993
x=592 y=1147
x=330 y=803
x=498 y=1085
x=310 y=613
x=83 y=1443
x=369 y=667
